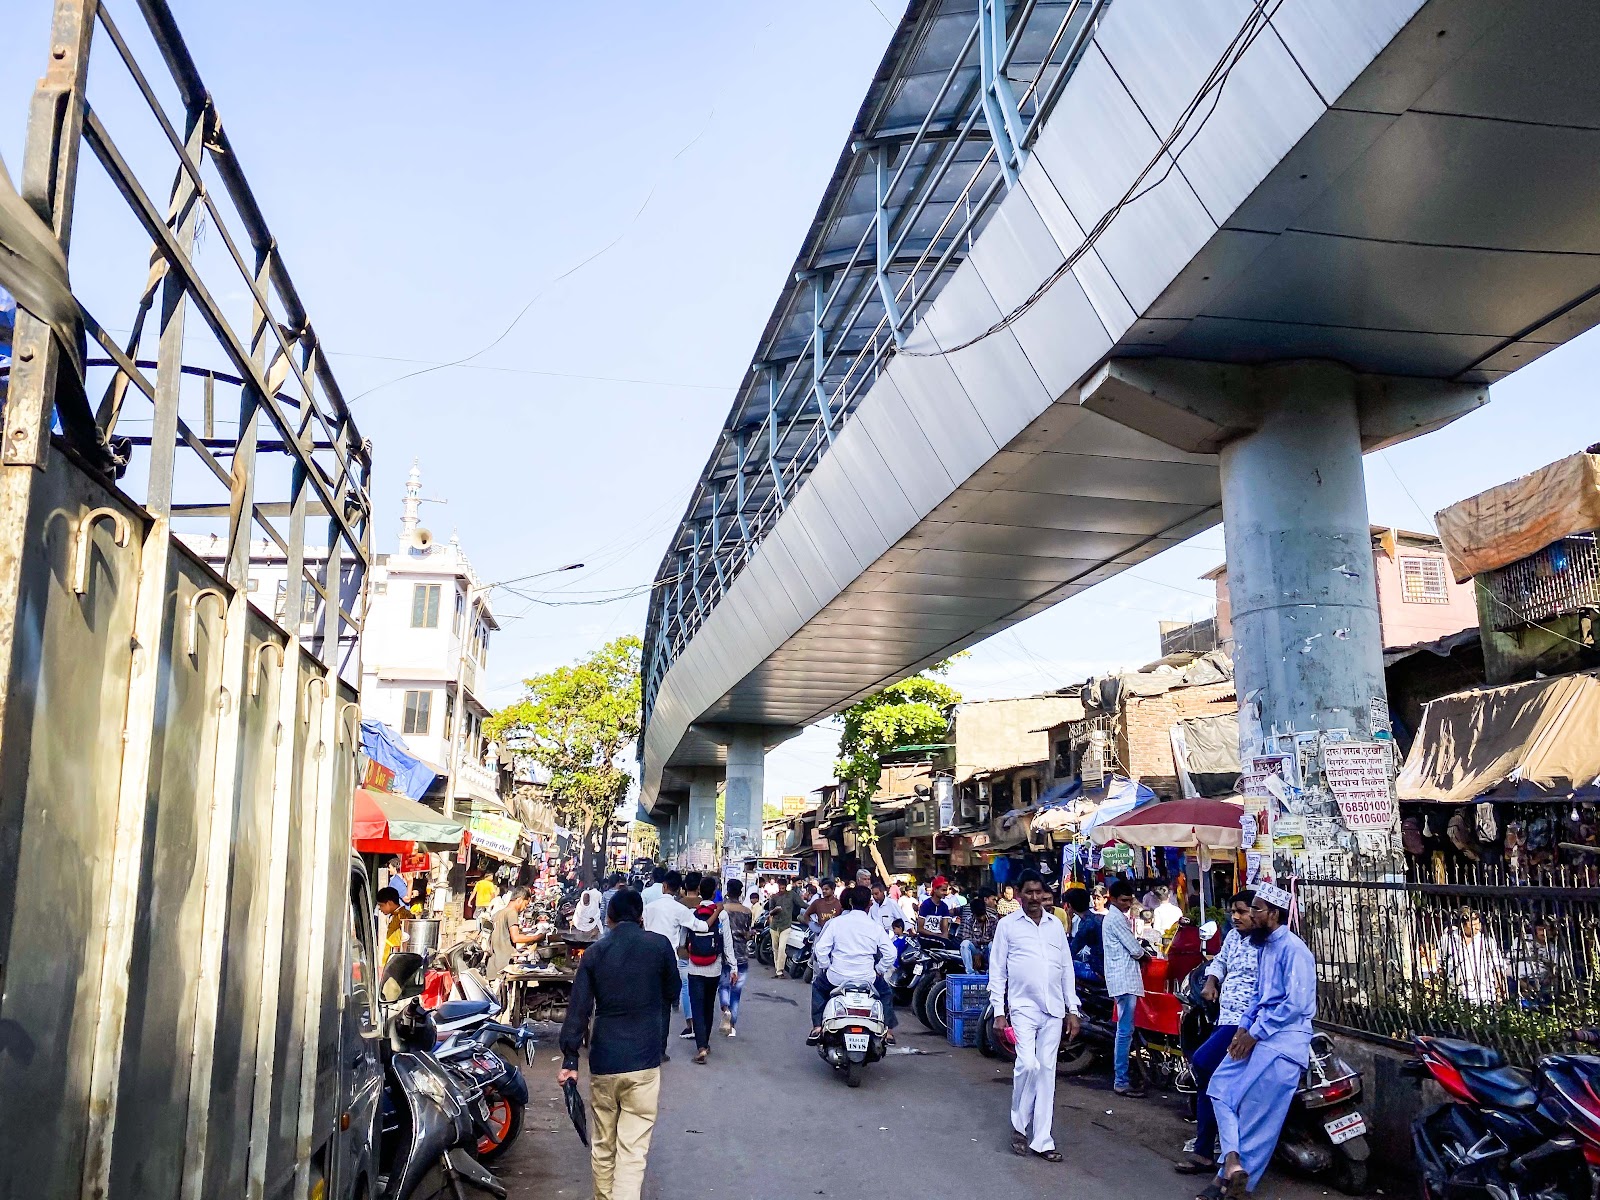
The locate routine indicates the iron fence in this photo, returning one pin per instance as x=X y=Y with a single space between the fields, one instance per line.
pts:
x=1505 y=960
x=1561 y=579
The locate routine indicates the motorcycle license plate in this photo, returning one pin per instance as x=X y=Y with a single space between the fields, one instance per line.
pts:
x=1342 y=1129
x=856 y=1043
x=916 y=970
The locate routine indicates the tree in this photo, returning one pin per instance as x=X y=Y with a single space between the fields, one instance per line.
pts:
x=577 y=722
x=913 y=712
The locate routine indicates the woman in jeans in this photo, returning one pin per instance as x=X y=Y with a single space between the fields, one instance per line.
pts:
x=737 y=917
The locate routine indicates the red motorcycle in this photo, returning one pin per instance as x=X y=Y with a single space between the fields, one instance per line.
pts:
x=1506 y=1134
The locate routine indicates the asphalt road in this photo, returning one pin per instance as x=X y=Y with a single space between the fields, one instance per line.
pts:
x=766 y=1119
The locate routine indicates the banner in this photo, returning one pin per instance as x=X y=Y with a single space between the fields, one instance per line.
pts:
x=1358 y=776
x=496 y=835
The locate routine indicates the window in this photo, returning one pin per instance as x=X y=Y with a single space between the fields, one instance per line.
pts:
x=419 y=712
x=1025 y=791
x=1423 y=580
x=277 y=607
x=252 y=584
x=308 y=603
x=449 y=715
x=1063 y=764
x=425 y=606
x=461 y=611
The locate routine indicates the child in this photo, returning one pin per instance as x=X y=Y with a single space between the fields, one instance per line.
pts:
x=898 y=929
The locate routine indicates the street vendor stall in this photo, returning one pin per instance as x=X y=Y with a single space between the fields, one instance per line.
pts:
x=1201 y=825
x=388 y=823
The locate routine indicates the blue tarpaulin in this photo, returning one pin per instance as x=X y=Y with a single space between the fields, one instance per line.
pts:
x=412 y=776
x=1122 y=796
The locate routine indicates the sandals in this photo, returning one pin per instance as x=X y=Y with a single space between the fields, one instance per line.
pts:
x=1212 y=1191
x=1195 y=1164
x=1019 y=1145
x=700 y=1057
x=1236 y=1186
x=1051 y=1155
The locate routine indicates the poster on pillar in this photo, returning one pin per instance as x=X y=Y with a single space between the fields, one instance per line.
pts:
x=1358 y=776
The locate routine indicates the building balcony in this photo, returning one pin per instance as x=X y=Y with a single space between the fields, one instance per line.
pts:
x=473 y=779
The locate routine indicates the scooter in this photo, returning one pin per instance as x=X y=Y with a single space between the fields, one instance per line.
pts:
x=853 y=1029
x=501 y=1090
x=1504 y=1134
x=1324 y=1131
x=428 y=1119
x=797 y=943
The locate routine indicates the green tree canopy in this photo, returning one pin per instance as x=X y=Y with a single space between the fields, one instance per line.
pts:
x=913 y=712
x=577 y=721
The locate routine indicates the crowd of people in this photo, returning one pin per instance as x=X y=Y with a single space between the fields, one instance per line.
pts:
x=681 y=944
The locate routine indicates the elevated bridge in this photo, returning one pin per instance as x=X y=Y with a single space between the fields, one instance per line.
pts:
x=1090 y=275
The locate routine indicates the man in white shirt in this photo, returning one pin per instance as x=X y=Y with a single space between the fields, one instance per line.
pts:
x=884 y=910
x=1032 y=988
x=669 y=917
x=1471 y=963
x=652 y=891
x=852 y=947
x=1167 y=913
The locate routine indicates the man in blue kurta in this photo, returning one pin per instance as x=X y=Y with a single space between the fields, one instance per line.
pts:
x=1253 y=1087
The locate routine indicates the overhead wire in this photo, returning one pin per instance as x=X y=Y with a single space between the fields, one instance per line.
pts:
x=1257 y=21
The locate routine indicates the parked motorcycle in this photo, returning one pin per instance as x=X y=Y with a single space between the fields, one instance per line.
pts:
x=928 y=995
x=761 y=941
x=1324 y=1132
x=1505 y=1134
x=428 y=1120
x=473 y=1058
x=853 y=1030
x=797 y=944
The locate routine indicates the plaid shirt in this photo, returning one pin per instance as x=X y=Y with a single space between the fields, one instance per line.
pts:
x=1123 y=977
x=979 y=933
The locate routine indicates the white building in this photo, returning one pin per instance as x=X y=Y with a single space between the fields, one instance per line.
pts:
x=423 y=649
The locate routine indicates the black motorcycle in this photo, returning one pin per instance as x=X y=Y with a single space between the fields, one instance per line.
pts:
x=1505 y=1133
x=428 y=1120
x=928 y=999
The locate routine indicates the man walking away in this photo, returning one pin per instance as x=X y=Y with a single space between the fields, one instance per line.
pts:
x=852 y=949
x=707 y=943
x=668 y=916
x=1255 y=1084
x=1124 y=980
x=780 y=916
x=1032 y=988
x=657 y=884
x=1166 y=912
x=736 y=967
x=628 y=980
x=1231 y=985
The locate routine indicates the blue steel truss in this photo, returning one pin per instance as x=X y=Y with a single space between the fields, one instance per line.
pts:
x=959 y=98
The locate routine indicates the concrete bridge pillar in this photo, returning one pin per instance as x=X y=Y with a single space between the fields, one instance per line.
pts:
x=700 y=834
x=743 y=793
x=1308 y=645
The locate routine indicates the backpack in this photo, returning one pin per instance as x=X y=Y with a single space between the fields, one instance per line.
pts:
x=704 y=942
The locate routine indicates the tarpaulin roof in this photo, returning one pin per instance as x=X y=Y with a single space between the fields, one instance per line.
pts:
x=1519 y=518
x=412 y=776
x=1543 y=737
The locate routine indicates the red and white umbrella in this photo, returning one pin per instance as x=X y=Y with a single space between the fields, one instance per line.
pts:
x=1202 y=824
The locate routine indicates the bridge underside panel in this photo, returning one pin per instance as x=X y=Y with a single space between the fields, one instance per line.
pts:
x=1406 y=192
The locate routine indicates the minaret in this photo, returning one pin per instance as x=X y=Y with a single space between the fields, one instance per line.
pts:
x=413 y=502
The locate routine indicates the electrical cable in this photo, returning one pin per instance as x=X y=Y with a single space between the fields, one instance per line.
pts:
x=1257 y=21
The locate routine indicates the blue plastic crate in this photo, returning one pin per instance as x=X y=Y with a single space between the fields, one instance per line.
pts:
x=964 y=1030
x=967 y=994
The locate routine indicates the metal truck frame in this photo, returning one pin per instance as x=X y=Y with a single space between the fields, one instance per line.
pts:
x=177 y=906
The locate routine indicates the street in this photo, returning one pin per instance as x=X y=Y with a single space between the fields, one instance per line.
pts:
x=767 y=1120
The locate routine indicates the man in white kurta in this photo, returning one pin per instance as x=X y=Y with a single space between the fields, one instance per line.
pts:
x=1032 y=987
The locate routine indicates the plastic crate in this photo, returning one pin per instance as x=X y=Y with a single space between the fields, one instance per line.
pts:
x=966 y=994
x=964 y=1030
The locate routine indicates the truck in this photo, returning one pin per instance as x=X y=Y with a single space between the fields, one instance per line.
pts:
x=188 y=997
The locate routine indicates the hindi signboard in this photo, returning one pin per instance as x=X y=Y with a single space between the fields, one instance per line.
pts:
x=1116 y=857
x=789 y=867
x=1358 y=776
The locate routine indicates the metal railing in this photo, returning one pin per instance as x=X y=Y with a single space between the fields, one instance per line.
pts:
x=968 y=148
x=1557 y=581
x=1506 y=960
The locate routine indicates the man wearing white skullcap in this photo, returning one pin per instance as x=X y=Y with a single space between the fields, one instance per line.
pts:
x=1253 y=1087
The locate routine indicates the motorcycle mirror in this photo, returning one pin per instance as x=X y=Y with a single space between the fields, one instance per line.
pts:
x=402 y=976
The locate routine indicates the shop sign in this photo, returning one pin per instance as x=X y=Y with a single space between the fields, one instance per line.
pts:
x=1358 y=776
x=1116 y=857
x=944 y=793
x=498 y=835
x=941 y=843
x=465 y=852
x=777 y=866
x=979 y=840
x=905 y=856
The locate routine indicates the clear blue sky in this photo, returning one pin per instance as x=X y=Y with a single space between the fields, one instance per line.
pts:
x=428 y=169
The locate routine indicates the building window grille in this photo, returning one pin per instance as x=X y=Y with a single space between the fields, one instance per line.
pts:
x=1423 y=580
x=1561 y=580
x=419 y=712
x=461 y=611
x=425 y=606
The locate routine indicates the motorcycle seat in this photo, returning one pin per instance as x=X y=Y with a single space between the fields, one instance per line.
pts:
x=460 y=1010
x=1466 y=1055
x=1505 y=1088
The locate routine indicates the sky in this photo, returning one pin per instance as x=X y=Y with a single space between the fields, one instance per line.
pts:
x=604 y=199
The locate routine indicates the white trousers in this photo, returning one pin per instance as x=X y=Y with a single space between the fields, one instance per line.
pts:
x=1033 y=1080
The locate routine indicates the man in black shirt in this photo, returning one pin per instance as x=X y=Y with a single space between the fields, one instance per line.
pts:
x=629 y=980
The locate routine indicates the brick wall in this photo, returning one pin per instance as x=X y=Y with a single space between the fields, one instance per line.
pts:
x=1144 y=739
